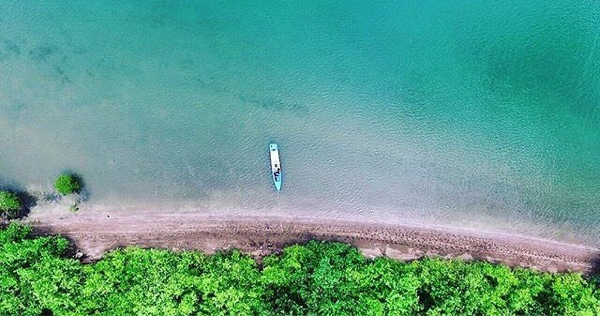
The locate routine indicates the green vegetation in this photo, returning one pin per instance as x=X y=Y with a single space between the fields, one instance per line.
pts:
x=67 y=184
x=36 y=278
x=10 y=204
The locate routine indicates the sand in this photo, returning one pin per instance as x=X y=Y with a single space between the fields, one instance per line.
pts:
x=96 y=233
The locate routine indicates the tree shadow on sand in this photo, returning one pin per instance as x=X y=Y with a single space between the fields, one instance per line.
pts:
x=28 y=202
x=595 y=271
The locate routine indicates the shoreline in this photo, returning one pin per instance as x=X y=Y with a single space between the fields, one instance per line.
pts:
x=94 y=234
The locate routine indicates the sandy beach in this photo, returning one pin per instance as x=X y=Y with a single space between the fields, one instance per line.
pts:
x=94 y=234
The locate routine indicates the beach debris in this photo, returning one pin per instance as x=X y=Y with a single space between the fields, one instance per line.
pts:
x=74 y=207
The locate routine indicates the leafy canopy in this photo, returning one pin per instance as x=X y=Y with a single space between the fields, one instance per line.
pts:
x=319 y=278
x=67 y=184
x=10 y=204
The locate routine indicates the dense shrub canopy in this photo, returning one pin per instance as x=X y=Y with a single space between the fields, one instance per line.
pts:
x=313 y=279
x=67 y=184
x=10 y=204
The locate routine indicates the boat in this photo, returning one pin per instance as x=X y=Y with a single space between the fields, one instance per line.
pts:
x=275 y=165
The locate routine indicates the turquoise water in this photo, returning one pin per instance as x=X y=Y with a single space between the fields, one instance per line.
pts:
x=481 y=115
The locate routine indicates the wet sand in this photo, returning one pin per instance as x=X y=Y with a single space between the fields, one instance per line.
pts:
x=94 y=234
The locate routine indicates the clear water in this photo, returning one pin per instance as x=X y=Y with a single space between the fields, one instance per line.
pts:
x=482 y=115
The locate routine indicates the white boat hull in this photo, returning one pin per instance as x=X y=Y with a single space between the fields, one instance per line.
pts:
x=276 y=171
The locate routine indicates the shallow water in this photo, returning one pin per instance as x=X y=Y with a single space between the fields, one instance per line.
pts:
x=481 y=115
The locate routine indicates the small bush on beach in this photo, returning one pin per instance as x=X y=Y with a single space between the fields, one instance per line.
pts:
x=10 y=204
x=67 y=184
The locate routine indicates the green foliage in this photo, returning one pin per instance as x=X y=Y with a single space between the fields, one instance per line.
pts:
x=33 y=274
x=36 y=278
x=67 y=184
x=10 y=205
x=335 y=279
x=159 y=282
